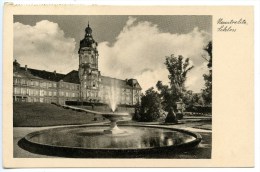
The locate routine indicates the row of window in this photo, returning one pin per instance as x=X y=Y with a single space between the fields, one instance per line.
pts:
x=37 y=92
x=32 y=83
x=42 y=100
x=53 y=99
x=106 y=98
x=90 y=85
x=21 y=81
x=68 y=94
x=34 y=99
x=117 y=94
x=69 y=86
x=123 y=90
x=33 y=92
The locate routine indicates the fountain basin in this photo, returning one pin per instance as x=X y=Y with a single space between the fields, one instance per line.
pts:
x=92 y=142
x=114 y=115
x=114 y=118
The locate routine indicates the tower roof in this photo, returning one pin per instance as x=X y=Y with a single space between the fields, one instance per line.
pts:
x=88 y=30
x=88 y=41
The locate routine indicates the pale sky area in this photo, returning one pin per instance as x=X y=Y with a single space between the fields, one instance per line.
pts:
x=129 y=46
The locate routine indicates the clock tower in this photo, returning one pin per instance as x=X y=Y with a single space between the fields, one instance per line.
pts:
x=89 y=75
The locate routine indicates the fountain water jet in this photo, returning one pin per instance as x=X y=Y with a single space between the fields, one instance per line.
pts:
x=114 y=117
x=113 y=95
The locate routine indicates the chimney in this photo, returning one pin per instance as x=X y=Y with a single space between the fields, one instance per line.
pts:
x=55 y=72
x=25 y=67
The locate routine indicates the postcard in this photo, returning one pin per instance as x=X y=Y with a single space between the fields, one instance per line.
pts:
x=128 y=86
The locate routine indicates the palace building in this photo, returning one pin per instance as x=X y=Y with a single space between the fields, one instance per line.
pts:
x=85 y=85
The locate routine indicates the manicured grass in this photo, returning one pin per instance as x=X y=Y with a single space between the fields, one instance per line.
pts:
x=42 y=114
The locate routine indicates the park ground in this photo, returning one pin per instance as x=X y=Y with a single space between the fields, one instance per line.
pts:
x=30 y=117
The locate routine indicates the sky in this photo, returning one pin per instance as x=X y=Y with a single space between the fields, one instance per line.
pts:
x=129 y=46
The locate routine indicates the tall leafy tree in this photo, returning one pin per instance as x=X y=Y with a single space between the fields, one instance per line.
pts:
x=178 y=68
x=207 y=92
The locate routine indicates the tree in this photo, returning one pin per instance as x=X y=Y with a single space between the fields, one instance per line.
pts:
x=208 y=49
x=207 y=92
x=188 y=99
x=150 y=107
x=192 y=100
x=178 y=68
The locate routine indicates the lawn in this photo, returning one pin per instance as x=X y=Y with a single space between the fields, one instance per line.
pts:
x=43 y=114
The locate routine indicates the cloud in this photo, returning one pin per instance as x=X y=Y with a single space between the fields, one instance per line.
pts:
x=44 y=46
x=140 y=49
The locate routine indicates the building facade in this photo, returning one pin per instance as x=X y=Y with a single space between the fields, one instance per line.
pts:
x=85 y=85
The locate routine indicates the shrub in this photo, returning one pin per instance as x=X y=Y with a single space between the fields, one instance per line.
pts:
x=150 y=107
x=171 y=117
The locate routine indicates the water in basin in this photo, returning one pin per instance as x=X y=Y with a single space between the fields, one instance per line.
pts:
x=94 y=137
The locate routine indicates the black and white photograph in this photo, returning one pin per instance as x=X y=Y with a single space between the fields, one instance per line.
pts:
x=128 y=86
x=112 y=86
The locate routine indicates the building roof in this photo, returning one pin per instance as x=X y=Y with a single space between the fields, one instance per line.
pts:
x=105 y=80
x=134 y=83
x=72 y=77
x=25 y=74
x=51 y=76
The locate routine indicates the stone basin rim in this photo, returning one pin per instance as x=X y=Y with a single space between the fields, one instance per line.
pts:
x=197 y=140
